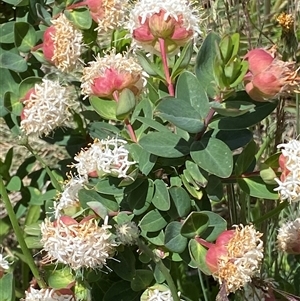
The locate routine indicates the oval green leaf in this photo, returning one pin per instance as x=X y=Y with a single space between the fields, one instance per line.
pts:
x=213 y=155
x=194 y=225
x=174 y=241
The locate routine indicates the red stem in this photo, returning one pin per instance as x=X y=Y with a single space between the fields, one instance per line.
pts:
x=126 y=121
x=203 y=242
x=165 y=64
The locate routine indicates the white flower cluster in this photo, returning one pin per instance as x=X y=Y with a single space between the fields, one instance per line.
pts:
x=67 y=44
x=69 y=196
x=159 y=295
x=107 y=156
x=47 y=107
x=127 y=233
x=289 y=186
x=79 y=245
x=288 y=238
x=46 y=295
x=243 y=260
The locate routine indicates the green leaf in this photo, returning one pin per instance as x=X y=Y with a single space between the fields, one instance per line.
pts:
x=256 y=187
x=245 y=159
x=189 y=89
x=14 y=184
x=151 y=68
x=161 y=199
x=180 y=113
x=153 y=124
x=7 y=32
x=124 y=264
x=27 y=84
x=12 y=61
x=204 y=63
x=109 y=186
x=25 y=36
x=141 y=280
x=137 y=198
x=33 y=229
x=232 y=108
x=33 y=242
x=7 y=288
x=165 y=144
x=216 y=225
x=261 y=111
x=153 y=221
x=213 y=155
x=198 y=254
x=12 y=103
x=145 y=159
x=33 y=215
x=81 y=17
x=181 y=201
x=194 y=225
x=85 y=196
x=214 y=189
x=102 y=130
x=183 y=60
x=198 y=175
x=157 y=238
x=174 y=241
x=126 y=104
x=121 y=291
x=105 y=108
x=233 y=139
x=59 y=279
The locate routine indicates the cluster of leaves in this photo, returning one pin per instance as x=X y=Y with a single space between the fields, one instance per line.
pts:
x=192 y=150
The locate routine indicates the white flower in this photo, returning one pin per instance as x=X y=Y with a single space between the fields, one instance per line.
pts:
x=241 y=258
x=110 y=14
x=4 y=264
x=288 y=238
x=127 y=233
x=69 y=196
x=62 y=44
x=46 y=295
x=79 y=245
x=289 y=182
x=46 y=106
x=107 y=156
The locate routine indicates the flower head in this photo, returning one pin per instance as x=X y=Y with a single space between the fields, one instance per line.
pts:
x=4 y=264
x=171 y=20
x=288 y=238
x=79 y=245
x=157 y=292
x=289 y=182
x=286 y=21
x=268 y=76
x=69 y=196
x=107 y=156
x=62 y=44
x=47 y=295
x=46 y=106
x=127 y=233
x=113 y=72
x=109 y=14
x=235 y=257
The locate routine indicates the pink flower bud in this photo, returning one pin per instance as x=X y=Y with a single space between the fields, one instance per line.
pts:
x=259 y=59
x=111 y=81
x=48 y=44
x=218 y=250
x=158 y=26
x=268 y=77
x=175 y=21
